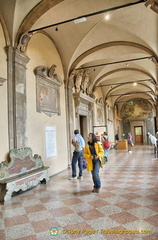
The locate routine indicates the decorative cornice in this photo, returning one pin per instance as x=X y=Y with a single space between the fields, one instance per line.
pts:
x=49 y=74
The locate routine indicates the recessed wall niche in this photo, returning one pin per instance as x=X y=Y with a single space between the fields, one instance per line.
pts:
x=47 y=90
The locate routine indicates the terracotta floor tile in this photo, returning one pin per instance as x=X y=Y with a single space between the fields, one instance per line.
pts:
x=153 y=220
x=153 y=207
x=61 y=211
x=106 y=194
x=71 y=205
x=98 y=203
x=130 y=196
x=2 y=234
x=90 y=214
x=127 y=205
x=43 y=225
x=35 y=208
x=123 y=217
x=72 y=201
x=16 y=220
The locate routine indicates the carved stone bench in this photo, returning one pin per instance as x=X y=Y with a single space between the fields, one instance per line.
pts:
x=22 y=172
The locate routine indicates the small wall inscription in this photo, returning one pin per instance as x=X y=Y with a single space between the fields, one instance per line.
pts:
x=50 y=140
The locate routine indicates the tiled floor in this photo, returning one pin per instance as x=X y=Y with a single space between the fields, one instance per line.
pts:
x=127 y=203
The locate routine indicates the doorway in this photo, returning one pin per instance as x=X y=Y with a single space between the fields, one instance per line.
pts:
x=83 y=126
x=138 y=132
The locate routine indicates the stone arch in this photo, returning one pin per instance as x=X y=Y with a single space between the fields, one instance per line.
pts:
x=110 y=44
x=5 y=31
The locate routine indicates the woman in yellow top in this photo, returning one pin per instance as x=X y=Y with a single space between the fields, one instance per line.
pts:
x=93 y=152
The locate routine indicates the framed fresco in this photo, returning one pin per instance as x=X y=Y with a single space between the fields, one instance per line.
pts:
x=47 y=91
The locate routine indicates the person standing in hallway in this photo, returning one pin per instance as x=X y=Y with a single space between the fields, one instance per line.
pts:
x=79 y=144
x=93 y=152
x=130 y=142
x=106 y=146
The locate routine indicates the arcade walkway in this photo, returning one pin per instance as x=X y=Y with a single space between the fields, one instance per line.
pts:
x=128 y=201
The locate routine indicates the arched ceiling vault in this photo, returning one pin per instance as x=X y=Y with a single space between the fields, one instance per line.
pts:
x=110 y=44
x=130 y=33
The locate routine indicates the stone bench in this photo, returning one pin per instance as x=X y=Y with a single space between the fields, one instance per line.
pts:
x=22 y=172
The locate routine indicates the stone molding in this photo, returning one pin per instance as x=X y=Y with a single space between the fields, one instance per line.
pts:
x=2 y=80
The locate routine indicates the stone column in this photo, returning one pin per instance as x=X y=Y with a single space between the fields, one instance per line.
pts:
x=70 y=116
x=17 y=97
x=10 y=83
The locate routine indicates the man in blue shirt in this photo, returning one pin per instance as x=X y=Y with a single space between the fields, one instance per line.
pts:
x=79 y=144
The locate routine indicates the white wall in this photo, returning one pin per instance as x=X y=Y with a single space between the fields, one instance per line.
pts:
x=42 y=52
x=4 y=141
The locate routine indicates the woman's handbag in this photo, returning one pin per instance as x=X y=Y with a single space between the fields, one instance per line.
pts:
x=104 y=160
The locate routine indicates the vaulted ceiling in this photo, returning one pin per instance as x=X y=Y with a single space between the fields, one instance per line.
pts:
x=121 y=52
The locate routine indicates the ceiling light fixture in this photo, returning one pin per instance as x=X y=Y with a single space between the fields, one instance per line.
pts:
x=107 y=17
x=79 y=20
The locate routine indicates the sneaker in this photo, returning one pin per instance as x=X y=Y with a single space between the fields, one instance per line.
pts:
x=80 y=177
x=72 y=178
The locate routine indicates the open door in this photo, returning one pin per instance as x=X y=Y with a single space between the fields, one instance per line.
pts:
x=138 y=132
x=83 y=127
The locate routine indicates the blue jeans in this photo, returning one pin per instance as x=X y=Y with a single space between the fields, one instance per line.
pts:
x=106 y=152
x=95 y=174
x=77 y=156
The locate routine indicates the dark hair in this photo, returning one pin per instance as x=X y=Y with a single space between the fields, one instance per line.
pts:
x=94 y=138
x=76 y=131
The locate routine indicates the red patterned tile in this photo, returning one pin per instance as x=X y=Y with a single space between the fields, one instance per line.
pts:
x=46 y=199
x=153 y=197
x=152 y=220
x=130 y=196
x=110 y=188
x=153 y=207
x=132 y=188
x=98 y=203
x=106 y=194
x=12 y=205
x=72 y=201
x=123 y=217
x=127 y=205
x=61 y=211
x=43 y=225
x=2 y=234
x=91 y=214
x=35 y=208
x=114 y=182
x=16 y=220
x=153 y=236
x=134 y=183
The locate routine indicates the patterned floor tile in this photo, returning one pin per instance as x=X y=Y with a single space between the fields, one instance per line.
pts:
x=128 y=201
x=123 y=217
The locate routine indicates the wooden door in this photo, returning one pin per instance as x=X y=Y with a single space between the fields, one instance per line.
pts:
x=138 y=132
